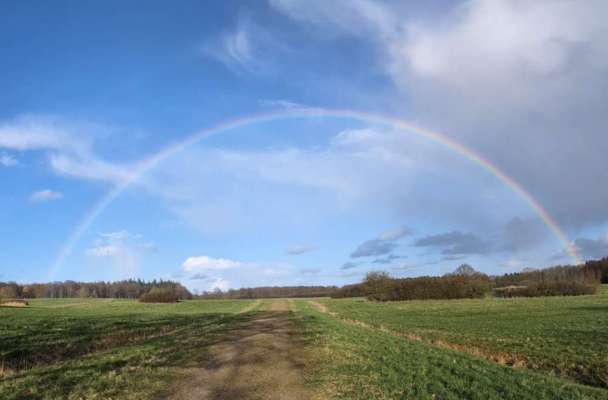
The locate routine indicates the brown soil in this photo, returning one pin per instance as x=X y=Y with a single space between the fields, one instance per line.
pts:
x=263 y=359
x=14 y=304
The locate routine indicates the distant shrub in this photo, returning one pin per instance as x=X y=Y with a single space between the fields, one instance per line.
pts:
x=160 y=295
x=354 y=290
x=590 y=273
x=380 y=287
x=539 y=289
x=268 y=292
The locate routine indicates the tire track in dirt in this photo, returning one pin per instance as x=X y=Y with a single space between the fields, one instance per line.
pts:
x=261 y=359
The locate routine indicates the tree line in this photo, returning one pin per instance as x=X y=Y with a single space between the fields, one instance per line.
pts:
x=126 y=289
x=380 y=286
x=270 y=292
x=465 y=282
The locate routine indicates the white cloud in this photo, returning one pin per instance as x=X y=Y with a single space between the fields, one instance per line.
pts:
x=221 y=284
x=502 y=50
x=40 y=133
x=104 y=250
x=373 y=168
x=123 y=247
x=524 y=83
x=7 y=160
x=89 y=167
x=205 y=263
x=67 y=146
x=45 y=195
x=119 y=236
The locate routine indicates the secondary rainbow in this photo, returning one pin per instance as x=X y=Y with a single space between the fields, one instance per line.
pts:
x=149 y=163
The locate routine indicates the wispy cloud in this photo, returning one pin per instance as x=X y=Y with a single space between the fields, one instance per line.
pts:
x=7 y=160
x=119 y=243
x=349 y=265
x=300 y=249
x=248 y=48
x=68 y=148
x=45 y=195
x=388 y=259
x=220 y=284
x=281 y=103
x=104 y=250
x=456 y=243
x=120 y=250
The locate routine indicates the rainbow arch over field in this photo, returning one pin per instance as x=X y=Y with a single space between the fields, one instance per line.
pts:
x=304 y=112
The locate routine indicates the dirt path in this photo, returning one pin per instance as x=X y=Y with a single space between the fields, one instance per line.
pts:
x=264 y=359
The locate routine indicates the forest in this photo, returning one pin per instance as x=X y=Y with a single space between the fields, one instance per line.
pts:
x=126 y=289
x=464 y=282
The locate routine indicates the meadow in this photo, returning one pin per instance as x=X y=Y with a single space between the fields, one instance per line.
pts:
x=353 y=349
x=564 y=336
x=359 y=363
x=103 y=349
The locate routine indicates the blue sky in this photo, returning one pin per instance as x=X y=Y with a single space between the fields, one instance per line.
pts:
x=90 y=90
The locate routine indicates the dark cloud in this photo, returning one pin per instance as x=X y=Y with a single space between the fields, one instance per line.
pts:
x=310 y=271
x=349 y=265
x=456 y=243
x=592 y=248
x=395 y=234
x=384 y=244
x=535 y=102
x=388 y=259
x=374 y=247
x=522 y=234
x=453 y=257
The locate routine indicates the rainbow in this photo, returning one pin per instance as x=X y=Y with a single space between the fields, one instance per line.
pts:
x=303 y=112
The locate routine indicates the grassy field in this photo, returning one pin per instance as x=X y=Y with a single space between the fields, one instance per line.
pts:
x=118 y=349
x=565 y=336
x=358 y=363
x=102 y=349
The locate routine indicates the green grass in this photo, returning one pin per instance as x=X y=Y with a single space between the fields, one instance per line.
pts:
x=100 y=349
x=565 y=336
x=355 y=362
x=119 y=349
